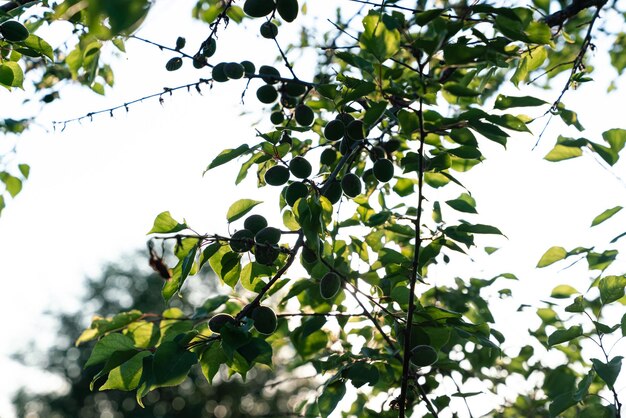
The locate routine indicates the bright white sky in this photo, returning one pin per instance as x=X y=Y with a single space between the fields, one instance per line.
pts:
x=96 y=187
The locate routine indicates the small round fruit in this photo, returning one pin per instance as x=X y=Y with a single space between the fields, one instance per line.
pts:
x=265 y=254
x=266 y=94
x=219 y=73
x=330 y=285
x=269 y=74
x=217 y=322
x=265 y=320
x=300 y=167
x=377 y=153
x=248 y=67
x=351 y=185
x=14 y=31
x=423 y=356
x=258 y=8
x=304 y=115
x=242 y=241
x=234 y=70
x=208 y=49
x=346 y=118
x=345 y=145
x=269 y=30
x=277 y=118
x=295 y=191
x=334 y=130
x=288 y=102
x=294 y=89
x=174 y=64
x=255 y=223
x=287 y=9
x=355 y=130
x=383 y=170
x=268 y=235
x=368 y=176
x=333 y=192
x=199 y=61
x=329 y=156
x=277 y=175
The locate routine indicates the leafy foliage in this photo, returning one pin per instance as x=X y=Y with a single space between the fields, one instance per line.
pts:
x=401 y=104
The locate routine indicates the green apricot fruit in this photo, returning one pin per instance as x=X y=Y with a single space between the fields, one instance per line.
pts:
x=233 y=70
x=277 y=117
x=277 y=175
x=258 y=8
x=248 y=67
x=174 y=64
x=368 y=176
x=208 y=49
x=329 y=156
x=219 y=72
x=345 y=145
x=294 y=89
x=288 y=101
x=334 y=130
x=265 y=320
x=14 y=31
x=383 y=170
x=377 y=153
x=333 y=192
x=217 y=322
x=269 y=30
x=423 y=356
x=255 y=223
x=242 y=241
x=287 y=9
x=346 y=118
x=355 y=130
x=266 y=94
x=304 y=115
x=330 y=285
x=268 y=235
x=265 y=255
x=300 y=167
x=269 y=74
x=351 y=185
x=295 y=191
x=199 y=61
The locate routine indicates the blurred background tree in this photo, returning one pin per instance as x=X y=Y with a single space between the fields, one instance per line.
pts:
x=127 y=285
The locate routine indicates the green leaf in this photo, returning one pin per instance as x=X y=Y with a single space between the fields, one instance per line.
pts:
x=463 y=203
x=127 y=375
x=601 y=261
x=608 y=371
x=623 y=325
x=240 y=208
x=616 y=138
x=605 y=215
x=551 y=256
x=577 y=306
x=165 y=224
x=563 y=291
x=377 y=38
x=252 y=274
x=12 y=184
x=228 y=155
x=11 y=74
x=561 y=403
x=562 y=152
x=460 y=90
x=563 y=335
x=211 y=360
x=38 y=45
x=331 y=395
x=171 y=364
x=479 y=229
x=506 y=102
x=107 y=346
x=361 y=373
x=409 y=122
x=226 y=264
x=611 y=288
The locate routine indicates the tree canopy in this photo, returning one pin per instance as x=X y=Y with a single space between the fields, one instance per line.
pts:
x=369 y=150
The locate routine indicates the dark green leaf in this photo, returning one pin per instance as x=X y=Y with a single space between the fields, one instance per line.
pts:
x=228 y=155
x=331 y=395
x=564 y=335
x=507 y=102
x=608 y=371
x=107 y=346
x=171 y=364
x=463 y=203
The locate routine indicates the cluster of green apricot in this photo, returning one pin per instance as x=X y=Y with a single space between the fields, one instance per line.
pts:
x=263 y=317
x=287 y=9
x=258 y=237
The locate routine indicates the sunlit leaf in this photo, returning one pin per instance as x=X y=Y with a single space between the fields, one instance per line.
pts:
x=551 y=256
x=240 y=208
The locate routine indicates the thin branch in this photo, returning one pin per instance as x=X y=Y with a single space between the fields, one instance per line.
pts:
x=560 y=17
x=162 y=47
x=12 y=5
